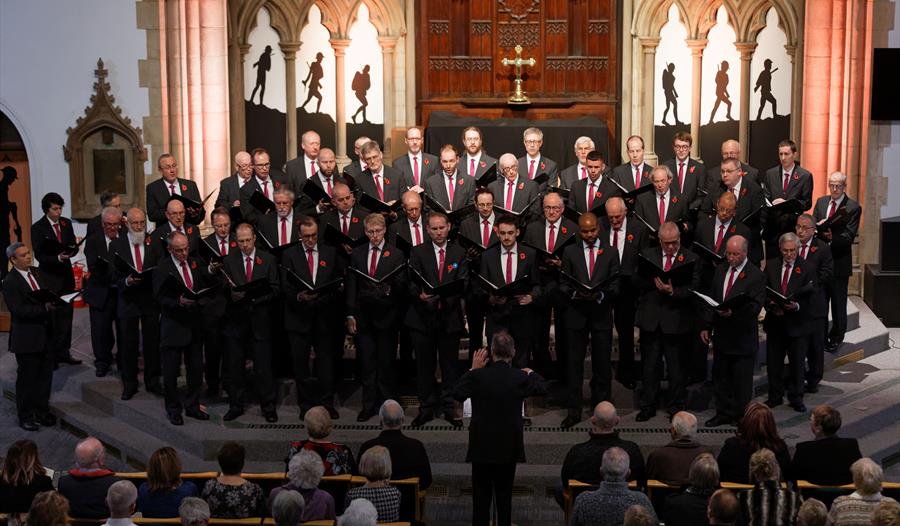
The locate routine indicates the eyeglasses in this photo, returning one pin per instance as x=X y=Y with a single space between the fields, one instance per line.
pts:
x=552 y=208
x=836 y=186
x=682 y=147
x=266 y=165
x=534 y=141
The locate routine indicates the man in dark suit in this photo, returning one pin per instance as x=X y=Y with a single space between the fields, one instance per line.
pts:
x=533 y=163
x=181 y=330
x=416 y=166
x=635 y=173
x=578 y=171
x=160 y=191
x=175 y=222
x=731 y=149
x=664 y=317
x=280 y=228
x=411 y=228
x=357 y=166
x=435 y=321
x=265 y=180
x=840 y=238
x=100 y=291
x=137 y=313
x=305 y=166
x=29 y=339
x=782 y=183
x=248 y=328
x=690 y=174
x=750 y=207
x=495 y=433
x=230 y=187
x=590 y=194
x=588 y=315
x=379 y=181
x=221 y=243
x=663 y=205
x=809 y=458
x=476 y=161
x=374 y=311
x=313 y=320
x=734 y=332
x=816 y=257
x=512 y=192
x=479 y=228
x=50 y=236
x=448 y=187
x=107 y=199
x=548 y=234
x=344 y=215
x=408 y=455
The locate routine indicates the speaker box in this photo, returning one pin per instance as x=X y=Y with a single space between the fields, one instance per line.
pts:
x=880 y=294
x=890 y=244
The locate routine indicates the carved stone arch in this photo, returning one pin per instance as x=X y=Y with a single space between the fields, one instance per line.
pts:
x=282 y=16
x=387 y=18
x=331 y=18
x=707 y=18
x=649 y=21
x=788 y=20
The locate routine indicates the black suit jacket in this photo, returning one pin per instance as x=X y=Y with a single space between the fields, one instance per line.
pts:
x=800 y=185
x=543 y=165
x=408 y=456
x=737 y=334
x=826 y=461
x=526 y=265
x=820 y=266
x=30 y=319
x=94 y=226
x=376 y=305
x=463 y=192
x=695 y=179
x=484 y=164
x=255 y=313
x=297 y=172
x=250 y=213
x=658 y=310
x=444 y=313
x=749 y=198
x=324 y=311
x=842 y=236
x=497 y=392
x=714 y=174
x=135 y=299
x=536 y=236
x=624 y=174
x=801 y=285
x=353 y=169
x=178 y=325
x=581 y=314
x=229 y=191
x=356 y=228
x=706 y=235
x=472 y=228
x=57 y=274
x=571 y=174
x=215 y=307
x=400 y=228
x=578 y=195
x=158 y=197
x=159 y=238
x=100 y=284
x=392 y=184
x=525 y=192
x=648 y=207
x=269 y=226
x=430 y=165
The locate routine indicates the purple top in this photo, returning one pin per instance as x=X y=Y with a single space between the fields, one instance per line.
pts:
x=319 y=504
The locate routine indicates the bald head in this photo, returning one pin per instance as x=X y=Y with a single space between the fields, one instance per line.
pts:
x=684 y=425
x=391 y=414
x=89 y=454
x=242 y=157
x=605 y=418
x=731 y=149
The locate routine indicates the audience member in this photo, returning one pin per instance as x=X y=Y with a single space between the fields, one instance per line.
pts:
x=756 y=431
x=360 y=512
x=164 y=490
x=48 y=508
x=638 y=515
x=22 y=478
x=338 y=458
x=193 y=512
x=375 y=465
x=229 y=495
x=857 y=508
x=607 y=505
x=86 y=485
x=304 y=474
x=689 y=508
x=671 y=463
x=886 y=514
x=408 y=455
x=767 y=503
x=122 y=502
x=825 y=421
x=723 y=509
x=287 y=508
x=812 y=513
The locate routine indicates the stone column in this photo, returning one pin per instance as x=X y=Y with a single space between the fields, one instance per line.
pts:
x=697 y=47
x=746 y=49
x=648 y=44
x=340 y=112
x=289 y=49
x=796 y=92
x=388 y=43
x=236 y=96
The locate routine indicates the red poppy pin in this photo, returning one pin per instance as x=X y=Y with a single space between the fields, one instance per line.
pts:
x=387 y=181
x=543 y=166
x=796 y=177
x=564 y=230
x=354 y=220
x=482 y=164
x=691 y=169
x=193 y=265
x=522 y=256
x=386 y=253
x=598 y=195
x=743 y=192
x=190 y=230
x=600 y=252
x=460 y=181
x=797 y=270
x=521 y=186
x=322 y=263
x=62 y=223
x=680 y=258
x=630 y=237
x=425 y=161
x=674 y=198
x=277 y=184
x=147 y=241
x=232 y=244
x=813 y=249
x=258 y=260
x=742 y=275
x=733 y=229
x=450 y=268
x=184 y=188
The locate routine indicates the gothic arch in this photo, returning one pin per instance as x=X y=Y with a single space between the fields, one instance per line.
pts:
x=649 y=21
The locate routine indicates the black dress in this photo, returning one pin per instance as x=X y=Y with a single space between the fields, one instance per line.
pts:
x=17 y=499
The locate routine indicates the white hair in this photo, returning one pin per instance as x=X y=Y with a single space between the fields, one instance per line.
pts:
x=305 y=469
x=360 y=512
x=615 y=464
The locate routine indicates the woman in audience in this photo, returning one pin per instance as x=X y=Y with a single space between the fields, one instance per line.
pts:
x=886 y=514
x=48 y=508
x=688 y=508
x=756 y=431
x=304 y=473
x=856 y=508
x=360 y=512
x=812 y=513
x=164 y=490
x=375 y=465
x=22 y=478
x=767 y=503
x=229 y=495
x=287 y=509
x=338 y=458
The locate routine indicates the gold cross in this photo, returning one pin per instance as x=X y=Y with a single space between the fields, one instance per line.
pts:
x=518 y=96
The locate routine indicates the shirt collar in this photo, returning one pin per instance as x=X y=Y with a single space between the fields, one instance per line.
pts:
x=740 y=268
x=260 y=181
x=436 y=247
x=514 y=249
x=379 y=245
x=178 y=263
x=535 y=159
x=586 y=246
x=547 y=223
x=173 y=228
x=788 y=170
x=251 y=255
x=490 y=219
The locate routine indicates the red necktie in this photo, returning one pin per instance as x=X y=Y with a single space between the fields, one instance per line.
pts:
x=583 y=172
x=379 y=187
x=509 y=267
x=138 y=264
x=485 y=233
x=418 y=234
x=509 y=195
x=171 y=188
x=832 y=209
x=248 y=272
x=719 y=237
x=415 y=169
x=374 y=264
x=615 y=241
x=662 y=209
x=681 y=177
x=440 y=265
x=734 y=193
x=345 y=228
x=531 y=170
x=34 y=285
x=787 y=179
x=222 y=250
x=58 y=232
x=450 y=190
x=328 y=187
x=312 y=169
x=284 y=236
x=551 y=239
x=591 y=195
x=785 y=278
x=311 y=263
x=803 y=252
x=637 y=177
x=730 y=283
x=266 y=188
x=187 y=276
x=668 y=265
x=590 y=261
x=472 y=167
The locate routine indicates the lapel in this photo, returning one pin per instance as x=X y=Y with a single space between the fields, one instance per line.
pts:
x=324 y=265
x=431 y=262
x=459 y=200
x=739 y=281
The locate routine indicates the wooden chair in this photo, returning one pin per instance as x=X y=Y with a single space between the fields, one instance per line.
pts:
x=412 y=499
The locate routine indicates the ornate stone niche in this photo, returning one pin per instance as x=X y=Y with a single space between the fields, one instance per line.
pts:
x=105 y=153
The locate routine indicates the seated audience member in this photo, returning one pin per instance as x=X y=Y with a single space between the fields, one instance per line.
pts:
x=638 y=515
x=375 y=465
x=756 y=431
x=193 y=512
x=287 y=509
x=767 y=503
x=408 y=455
x=688 y=508
x=48 y=508
x=86 y=485
x=856 y=508
x=304 y=474
x=607 y=505
x=360 y=512
x=230 y=496
x=22 y=478
x=670 y=463
x=886 y=514
x=338 y=458
x=164 y=490
x=812 y=513
x=825 y=421
x=122 y=502
x=723 y=509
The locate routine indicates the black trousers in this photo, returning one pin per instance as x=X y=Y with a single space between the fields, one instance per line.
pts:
x=836 y=291
x=61 y=331
x=433 y=349
x=213 y=343
x=779 y=345
x=139 y=333
x=193 y=365
x=492 y=481
x=320 y=391
x=550 y=313
x=259 y=351
x=654 y=346
x=732 y=383
x=34 y=378
x=815 y=353
x=103 y=319
x=376 y=350
x=476 y=312
x=601 y=374
x=522 y=327
x=623 y=319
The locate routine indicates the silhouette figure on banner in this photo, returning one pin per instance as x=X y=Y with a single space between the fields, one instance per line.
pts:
x=7 y=209
x=722 y=92
x=668 y=83
x=311 y=82
x=263 y=65
x=764 y=86
x=361 y=84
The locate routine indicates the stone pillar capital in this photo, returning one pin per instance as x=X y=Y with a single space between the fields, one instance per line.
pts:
x=697 y=46
x=388 y=43
x=746 y=49
x=339 y=45
x=289 y=49
x=649 y=44
x=245 y=48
